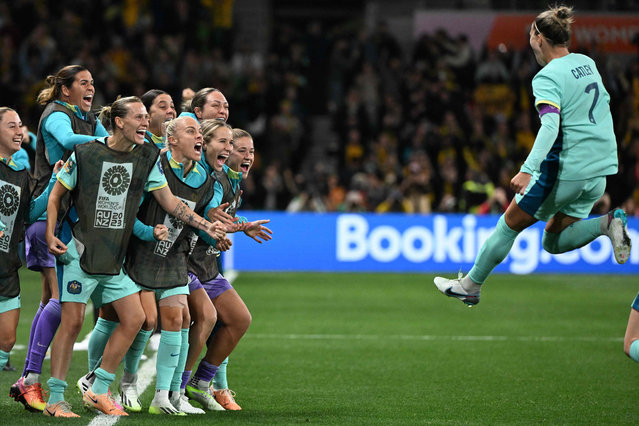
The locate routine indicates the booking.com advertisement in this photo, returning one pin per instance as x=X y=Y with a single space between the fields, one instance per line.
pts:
x=408 y=243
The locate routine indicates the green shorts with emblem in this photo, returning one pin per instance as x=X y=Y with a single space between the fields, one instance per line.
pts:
x=78 y=286
x=546 y=197
x=10 y=303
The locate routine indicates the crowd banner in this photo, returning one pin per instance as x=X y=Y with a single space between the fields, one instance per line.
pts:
x=408 y=243
x=610 y=33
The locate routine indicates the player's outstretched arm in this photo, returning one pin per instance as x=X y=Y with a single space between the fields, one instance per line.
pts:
x=181 y=211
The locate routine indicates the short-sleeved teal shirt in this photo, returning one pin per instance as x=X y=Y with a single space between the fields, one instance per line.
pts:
x=68 y=176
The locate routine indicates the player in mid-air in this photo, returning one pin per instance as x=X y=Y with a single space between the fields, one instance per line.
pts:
x=565 y=172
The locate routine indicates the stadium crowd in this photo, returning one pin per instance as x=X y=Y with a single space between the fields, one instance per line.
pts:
x=437 y=127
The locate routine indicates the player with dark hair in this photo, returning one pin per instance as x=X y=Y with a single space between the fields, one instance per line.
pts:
x=66 y=121
x=16 y=208
x=161 y=109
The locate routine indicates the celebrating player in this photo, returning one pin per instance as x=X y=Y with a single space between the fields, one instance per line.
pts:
x=160 y=106
x=161 y=110
x=565 y=172
x=208 y=104
x=232 y=313
x=107 y=202
x=66 y=121
x=16 y=208
x=240 y=160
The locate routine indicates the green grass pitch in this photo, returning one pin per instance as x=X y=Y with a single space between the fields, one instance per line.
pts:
x=390 y=349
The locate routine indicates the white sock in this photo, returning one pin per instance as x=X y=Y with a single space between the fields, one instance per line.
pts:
x=469 y=285
x=161 y=394
x=129 y=378
x=31 y=378
x=198 y=384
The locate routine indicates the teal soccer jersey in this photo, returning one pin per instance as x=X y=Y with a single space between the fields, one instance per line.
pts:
x=586 y=141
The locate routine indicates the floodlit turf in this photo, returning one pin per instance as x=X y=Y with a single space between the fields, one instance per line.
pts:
x=390 y=349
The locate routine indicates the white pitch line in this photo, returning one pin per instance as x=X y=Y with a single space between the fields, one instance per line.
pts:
x=432 y=337
x=84 y=344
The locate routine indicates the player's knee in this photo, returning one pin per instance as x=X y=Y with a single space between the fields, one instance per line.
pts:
x=549 y=243
x=172 y=322
x=7 y=342
x=209 y=319
x=243 y=322
x=150 y=321
x=73 y=325
x=133 y=320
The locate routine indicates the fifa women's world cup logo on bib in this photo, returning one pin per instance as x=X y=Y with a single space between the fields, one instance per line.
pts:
x=175 y=227
x=111 y=203
x=9 y=203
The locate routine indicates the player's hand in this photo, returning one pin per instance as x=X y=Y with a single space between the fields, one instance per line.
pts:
x=223 y=244
x=257 y=231
x=520 y=182
x=216 y=230
x=219 y=214
x=160 y=232
x=236 y=227
x=58 y=166
x=1 y=234
x=56 y=247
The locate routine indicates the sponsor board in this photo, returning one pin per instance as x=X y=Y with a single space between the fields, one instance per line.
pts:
x=605 y=32
x=408 y=243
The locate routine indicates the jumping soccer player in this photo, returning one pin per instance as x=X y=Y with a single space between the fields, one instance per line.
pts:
x=565 y=172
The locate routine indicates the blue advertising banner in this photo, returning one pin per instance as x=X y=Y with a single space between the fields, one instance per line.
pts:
x=408 y=243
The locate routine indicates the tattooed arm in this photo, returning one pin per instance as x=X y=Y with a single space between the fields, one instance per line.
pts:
x=181 y=211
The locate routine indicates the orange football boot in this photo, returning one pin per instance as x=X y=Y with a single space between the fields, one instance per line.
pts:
x=59 y=409
x=225 y=397
x=32 y=396
x=103 y=403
